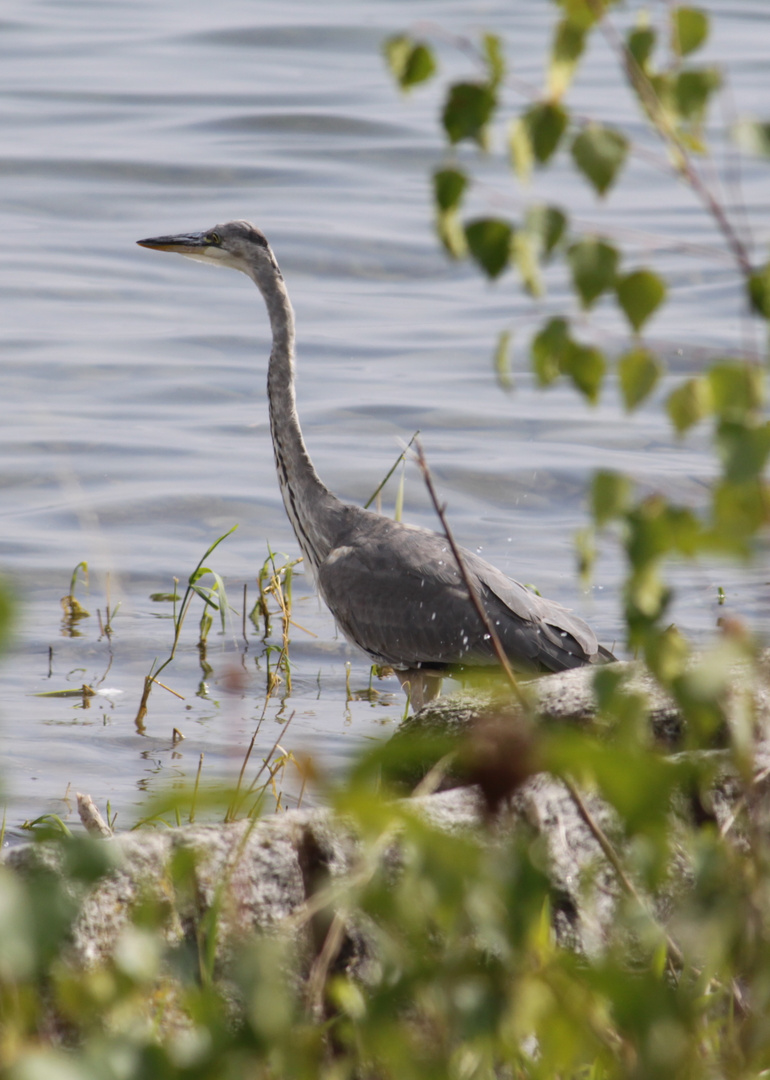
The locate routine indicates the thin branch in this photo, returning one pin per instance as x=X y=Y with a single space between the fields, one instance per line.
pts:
x=612 y=857
x=472 y=593
x=267 y=759
x=676 y=957
x=641 y=84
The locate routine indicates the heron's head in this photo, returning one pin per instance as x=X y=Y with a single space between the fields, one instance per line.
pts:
x=237 y=244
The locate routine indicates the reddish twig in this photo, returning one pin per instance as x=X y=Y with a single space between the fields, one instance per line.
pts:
x=474 y=597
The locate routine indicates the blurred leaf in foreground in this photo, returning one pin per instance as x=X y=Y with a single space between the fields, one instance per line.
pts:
x=410 y=61
x=600 y=152
x=593 y=263
x=689 y=403
x=689 y=30
x=502 y=361
x=489 y=242
x=544 y=123
x=585 y=364
x=467 y=111
x=639 y=371
x=640 y=294
x=566 y=50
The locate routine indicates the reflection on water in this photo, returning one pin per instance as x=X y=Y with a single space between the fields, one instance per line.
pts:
x=135 y=429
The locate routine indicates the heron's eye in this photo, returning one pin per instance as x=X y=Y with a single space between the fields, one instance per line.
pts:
x=213 y=238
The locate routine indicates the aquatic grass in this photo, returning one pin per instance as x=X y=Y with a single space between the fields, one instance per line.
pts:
x=398 y=508
x=279 y=673
x=105 y=624
x=274 y=583
x=261 y=605
x=276 y=596
x=400 y=460
x=368 y=693
x=218 y=802
x=241 y=796
x=212 y=596
x=47 y=827
x=73 y=610
x=191 y=815
x=230 y=803
x=273 y=580
x=83 y=692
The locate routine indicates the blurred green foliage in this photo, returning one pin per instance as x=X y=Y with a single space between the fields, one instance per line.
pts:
x=470 y=969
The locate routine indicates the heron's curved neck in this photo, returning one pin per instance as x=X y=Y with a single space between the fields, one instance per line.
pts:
x=309 y=503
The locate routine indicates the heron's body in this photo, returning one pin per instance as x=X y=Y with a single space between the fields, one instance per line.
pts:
x=394 y=589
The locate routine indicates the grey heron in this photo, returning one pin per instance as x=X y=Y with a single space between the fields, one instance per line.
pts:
x=394 y=589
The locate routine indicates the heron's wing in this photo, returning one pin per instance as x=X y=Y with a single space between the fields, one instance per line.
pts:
x=396 y=592
x=563 y=628
x=401 y=602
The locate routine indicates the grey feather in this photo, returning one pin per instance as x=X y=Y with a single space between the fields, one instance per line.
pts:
x=397 y=593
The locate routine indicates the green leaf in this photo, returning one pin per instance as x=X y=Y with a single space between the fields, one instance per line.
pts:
x=502 y=361
x=525 y=258
x=549 y=350
x=448 y=189
x=520 y=149
x=759 y=291
x=639 y=371
x=489 y=242
x=692 y=90
x=610 y=496
x=468 y=109
x=568 y=44
x=738 y=389
x=646 y=596
x=636 y=781
x=652 y=533
x=494 y=57
x=585 y=365
x=689 y=403
x=593 y=263
x=640 y=293
x=744 y=450
x=545 y=124
x=689 y=29
x=449 y=186
x=6 y=614
x=585 y=549
x=547 y=224
x=583 y=13
x=410 y=62
x=739 y=511
x=451 y=234
x=599 y=152
x=684 y=530
x=753 y=137
x=641 y=43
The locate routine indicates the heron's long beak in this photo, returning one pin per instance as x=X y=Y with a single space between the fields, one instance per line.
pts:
x=184 y=243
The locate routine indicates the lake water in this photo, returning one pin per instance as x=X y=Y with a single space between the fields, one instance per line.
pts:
x=135 y=429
